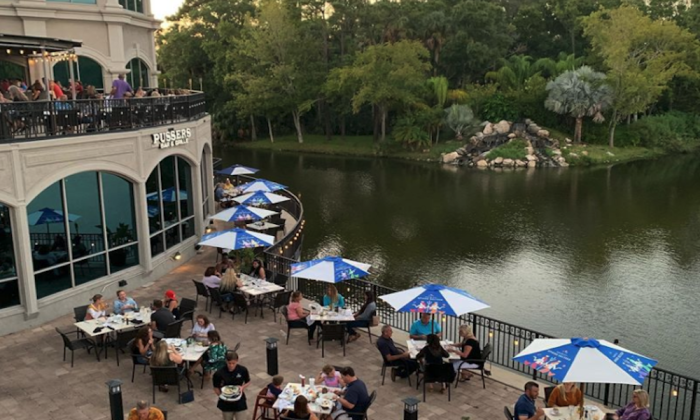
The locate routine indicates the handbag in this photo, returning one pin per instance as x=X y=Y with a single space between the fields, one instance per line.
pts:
x=186 y=397
x=374 y=322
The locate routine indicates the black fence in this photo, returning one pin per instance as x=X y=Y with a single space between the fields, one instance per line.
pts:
x=22 y=121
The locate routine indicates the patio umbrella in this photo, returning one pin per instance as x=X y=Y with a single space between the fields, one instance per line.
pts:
x=261 y=185
x=434 y=299
x=586 y=360
x=260 y=198
x=169 y=195
x=237 y=170
x=236 y=239
x=330 y=269
x=243 y=213
x=47 y=215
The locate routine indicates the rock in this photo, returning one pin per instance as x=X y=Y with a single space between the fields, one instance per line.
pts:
x=533 y=129
x=482 y=164
x=488 y=129
x=480 y=135
x=530 y=150
x=519 y=163
x=502 y=127
x=450 y=157
x=575 y=155
x=532 y=164
x=564 y=165
x=531 y=158
x=610 y=154
x=462 y=151
x=508 y=162
x=511 y=136
x=585 y=153
x=556 y=152
x=528 y=121
x=561 y=160
x=568 y=140
x=498 y=160
x=543 y=133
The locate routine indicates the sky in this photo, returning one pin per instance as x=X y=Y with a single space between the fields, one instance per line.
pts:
x=163 y=8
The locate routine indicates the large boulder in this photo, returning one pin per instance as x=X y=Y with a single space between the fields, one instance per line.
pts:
x=482 y=164
x=533 y=129
x=508 y=162
x=532 y=164
x=503 y=127
x=531 y=158
x=450 y=157
x=543 y=134
x=520 y=163
x=498 y=160
x=488 y=129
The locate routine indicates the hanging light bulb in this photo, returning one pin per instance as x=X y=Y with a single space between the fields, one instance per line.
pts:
x=9 y=51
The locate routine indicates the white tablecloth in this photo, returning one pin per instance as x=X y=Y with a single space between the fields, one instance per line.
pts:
x=415 y=346
x=287 y=397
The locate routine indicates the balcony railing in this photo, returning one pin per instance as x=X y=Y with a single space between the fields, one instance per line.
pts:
x=40 y=120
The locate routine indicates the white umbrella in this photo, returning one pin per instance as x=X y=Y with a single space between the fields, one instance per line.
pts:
x=434 y=299
x=330 y=269
x=243 y=213
x=236 y=239
x=260 y=198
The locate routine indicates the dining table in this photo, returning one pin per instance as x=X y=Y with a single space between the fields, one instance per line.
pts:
x=324 y=314
x=258 y=289
x=103 y=327
x=190 y=353
x=314 y=394
x=590 y=412
x=415 y=346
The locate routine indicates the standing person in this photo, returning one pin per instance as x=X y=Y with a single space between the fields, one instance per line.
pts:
x=469 y=348
x=232 y=374
x=332 y=298
x=56 y=89
x=124 y=304
x=394 y=356
x=564 y=395
x=144 y=411
x=161 y=317
x=525 y=408
x=301 y=410
x=638 y=409
x=97 y=309
x=363 y=317
x=424 y=326
x=355 y=398
x=121 y=88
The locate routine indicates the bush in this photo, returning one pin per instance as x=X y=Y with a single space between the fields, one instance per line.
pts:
x=497 y=108
x=671 y=131
x=514 y=149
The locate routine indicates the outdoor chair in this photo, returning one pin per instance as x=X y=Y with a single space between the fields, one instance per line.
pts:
x=73 y=345
x=173 y=330
x=240 y=304
x=331 y=332
x=201 y=291
x=79 y=314
x=280 y=279
x=168 y=375
x=135 y=360
x=508 y=414
x=281 y=299
x=547 y=392
x=485 y=353
x=187 y=305
x=283 y=311
x=216 y=299
x=386 y=364
x=263 y=404
x=122 y=342
x=372 y=397
x=440 y=374
x=187 y=316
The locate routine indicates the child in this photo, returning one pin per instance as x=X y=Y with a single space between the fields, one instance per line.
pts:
x=329 y=377
x=274 y=389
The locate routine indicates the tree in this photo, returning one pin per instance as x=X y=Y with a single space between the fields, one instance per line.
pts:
x=515 y=71
x=459 y=118
x=385 y=76
x=579 y=93
x=440 y=88
x=642 y=57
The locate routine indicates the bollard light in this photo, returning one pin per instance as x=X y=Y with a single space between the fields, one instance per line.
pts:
x=116 y=407
x=410 y=408
x=272 y=364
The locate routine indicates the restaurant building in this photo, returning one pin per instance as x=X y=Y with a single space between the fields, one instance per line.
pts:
x=94 y=192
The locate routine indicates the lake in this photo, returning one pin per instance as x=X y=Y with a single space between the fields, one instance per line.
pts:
x=608 y=252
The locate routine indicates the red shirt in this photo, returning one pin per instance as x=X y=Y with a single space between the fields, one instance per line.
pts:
x=57 y=92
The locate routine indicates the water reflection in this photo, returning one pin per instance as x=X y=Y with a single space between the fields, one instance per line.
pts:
x=611 y=251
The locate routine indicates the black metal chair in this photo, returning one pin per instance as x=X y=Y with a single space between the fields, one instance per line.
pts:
x=281 y=299
x=174 y=329
x=547 y=392
x=372 y=398
x=386 y=364
x=79 y=314
x=122 y=342
x=167 y=375
x=135 y=360
x=215 y=298
x=283 y=311
x=188 y=316
x=201 y=291
x=436 y=373
x=280 y=279
x=508 y=414
x=332 y=332
x=187 y=306
x=485 y=353
x=73 y=345
x=240 y=304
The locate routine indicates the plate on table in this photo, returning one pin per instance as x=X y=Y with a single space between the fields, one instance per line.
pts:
x=325 y=404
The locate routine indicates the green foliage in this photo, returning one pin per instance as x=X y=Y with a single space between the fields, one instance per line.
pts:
x=460 y=118
x=497 y=108
x=673 y=131
x=409 y=131
x=514 y=149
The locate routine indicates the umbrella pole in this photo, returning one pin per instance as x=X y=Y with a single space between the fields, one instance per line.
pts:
x=432 y=323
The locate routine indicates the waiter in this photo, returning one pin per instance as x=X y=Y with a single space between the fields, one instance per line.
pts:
x=232 y=374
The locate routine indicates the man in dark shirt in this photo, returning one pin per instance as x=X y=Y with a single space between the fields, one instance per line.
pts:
x=525 y=408
x=394 y=356
x=161 y=317
x=232 y=374
x=355 y=399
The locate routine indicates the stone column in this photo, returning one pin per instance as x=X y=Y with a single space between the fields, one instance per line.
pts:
x=198 y=198
x=142 y=227
x=23 y=260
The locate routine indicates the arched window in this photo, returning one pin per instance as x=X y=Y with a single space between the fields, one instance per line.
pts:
x=10 y=70
x=82 y=228
x=9 y=284
x=138 y=75
x=86 y=70
x=133 y=5
x=170 y=205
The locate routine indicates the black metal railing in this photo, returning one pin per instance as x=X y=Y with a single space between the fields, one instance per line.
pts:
x=22 y=121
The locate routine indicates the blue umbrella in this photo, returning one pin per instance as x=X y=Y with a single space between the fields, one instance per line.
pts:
x=237 y=170
x=586 y=360
x=169 y=195
x=434 y=299
x=236 y=239
x=47 y=215
x=153 y=211
x=330 y=269
x=243 y=213
x=260 y=198
x=261 y=185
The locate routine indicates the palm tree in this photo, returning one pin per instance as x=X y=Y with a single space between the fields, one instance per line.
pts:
x=517 y=69
x=579 y=93
x=439 y=85
x=460 y=118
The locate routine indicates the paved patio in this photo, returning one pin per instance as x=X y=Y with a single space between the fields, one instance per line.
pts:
x=37 y=384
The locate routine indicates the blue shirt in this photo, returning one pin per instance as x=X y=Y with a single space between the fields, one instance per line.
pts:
x=118 y=306
x=524 y=407
x=356 y=393
x=418 y=328
x=327 y=301
x=218 y=193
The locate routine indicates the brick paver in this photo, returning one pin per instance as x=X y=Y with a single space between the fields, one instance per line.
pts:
x=36 y=383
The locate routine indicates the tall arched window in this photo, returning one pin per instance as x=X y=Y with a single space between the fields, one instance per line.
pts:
x=9 y=284
x=138 y=75
x=170 y=205
x=133 y=5
x=82 y=228
x=86 y=70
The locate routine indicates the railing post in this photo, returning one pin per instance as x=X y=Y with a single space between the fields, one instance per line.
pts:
x=606 y=398
x=694 y=400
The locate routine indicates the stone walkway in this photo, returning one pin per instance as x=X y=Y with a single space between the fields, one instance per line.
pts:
x=37 y=384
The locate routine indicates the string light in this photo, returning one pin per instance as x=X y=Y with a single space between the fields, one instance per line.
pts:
x=9 y=51
x=490 y=334
x=674 y=392
x=516 y=342
x=21 y=52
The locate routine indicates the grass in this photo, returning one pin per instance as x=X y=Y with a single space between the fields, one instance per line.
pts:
x=514 y=149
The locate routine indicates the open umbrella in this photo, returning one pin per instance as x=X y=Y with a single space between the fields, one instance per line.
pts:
x=260 y=198
x=237 y=170
x=236 y=239
x=261 y=185
x=169 y=195
x=586 y=360
x=435 y=299
x=243 y=213
x=330 y=269
x=46 y=216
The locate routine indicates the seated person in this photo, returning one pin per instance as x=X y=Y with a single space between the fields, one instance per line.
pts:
x=218 y=192
x=225 y=264
x=161 y=317
x=124 y=304
x=424 y=326
x=329 y=377
x=97 y=309
x=144 y=411
x=354 y=398
x=228 y=185
x=363 y=317
x=394 y=356
x=296 y=315
x=301 y=410
x=59 y=243
x=142 y=346
x=201 y=328
x=564 y=395
x=637 y=409
x=170 y=303
x=257 y=271
x=332 y=298
x=468 y=349
x=165 y=355
x=274 y=388
x=525 y=408
x=433 y=354
x=212 y=278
